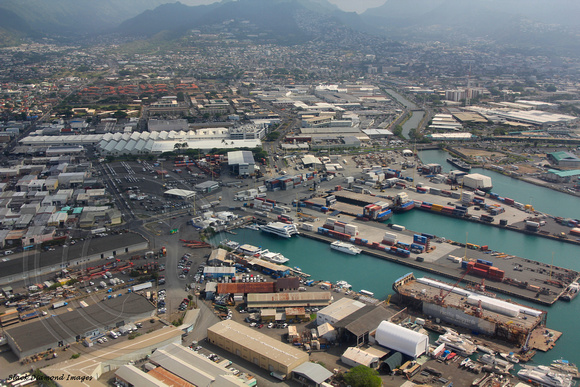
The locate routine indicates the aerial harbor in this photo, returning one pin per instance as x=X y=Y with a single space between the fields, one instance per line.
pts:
x=289 y=193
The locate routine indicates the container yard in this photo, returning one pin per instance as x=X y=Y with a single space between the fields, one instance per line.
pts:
x=477 y=266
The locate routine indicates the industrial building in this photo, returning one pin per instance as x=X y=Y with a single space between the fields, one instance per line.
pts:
x=564 y=159
x=55 y=331
x=19 y=269
x=94 y=364
x=354 y=356
x=338 y=310
x=262 y=350
x=190 y=367
x=288 y=300
x=241 y=163
x=401 y=339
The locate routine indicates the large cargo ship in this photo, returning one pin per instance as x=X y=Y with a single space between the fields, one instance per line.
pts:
x=344 y=247
x=403 y=203
x=283 y=230
x=468 y=309
x=459 y=164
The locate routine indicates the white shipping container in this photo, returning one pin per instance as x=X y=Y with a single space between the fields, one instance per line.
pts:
x=389 y=236
x=307 y=226
x=398 y=227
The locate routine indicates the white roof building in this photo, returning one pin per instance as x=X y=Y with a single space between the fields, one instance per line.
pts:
x=401 y=339
x=338 y=310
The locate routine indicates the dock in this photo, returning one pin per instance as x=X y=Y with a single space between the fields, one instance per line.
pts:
x=530 y=280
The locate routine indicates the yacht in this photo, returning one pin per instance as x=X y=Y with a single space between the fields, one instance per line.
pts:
x=343 y=284
x=281 y=229
x=230 y=244
x=457 y=344
x=250 y=250
x=545 y=376
x=344 y=247
x=510 y=357
x=565 y=366
x=273 y=257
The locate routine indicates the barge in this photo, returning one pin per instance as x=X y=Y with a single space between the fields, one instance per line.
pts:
x=459 y=164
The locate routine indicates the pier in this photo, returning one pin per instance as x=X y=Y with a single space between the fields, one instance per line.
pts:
x=530 y=280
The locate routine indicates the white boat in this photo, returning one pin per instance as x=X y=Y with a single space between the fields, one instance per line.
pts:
x=484 y=349
x=545 y=376
x=343 y=284
x=230 y=244
x=510 y=357
x=253 y=226
x=273 y=257
x=465 y=362
x=457 y=344
x=283 y=230
x=344 y=247
x=565 y=366
x=250 y=250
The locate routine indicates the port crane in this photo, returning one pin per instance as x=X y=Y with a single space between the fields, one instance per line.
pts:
x=441 y=298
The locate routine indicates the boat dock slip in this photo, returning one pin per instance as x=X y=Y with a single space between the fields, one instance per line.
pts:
x=518 y=277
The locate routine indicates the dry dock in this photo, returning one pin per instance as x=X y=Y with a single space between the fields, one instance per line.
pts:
x=530 y=280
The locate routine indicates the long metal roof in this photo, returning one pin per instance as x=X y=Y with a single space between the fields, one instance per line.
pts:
x=258 y=342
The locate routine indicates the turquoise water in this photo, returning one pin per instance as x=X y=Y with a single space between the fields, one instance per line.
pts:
x=376 y=275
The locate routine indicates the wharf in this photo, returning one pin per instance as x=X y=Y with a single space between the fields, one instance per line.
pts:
x=526 y=276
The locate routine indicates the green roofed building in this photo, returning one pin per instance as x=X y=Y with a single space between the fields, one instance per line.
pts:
x=564 y=159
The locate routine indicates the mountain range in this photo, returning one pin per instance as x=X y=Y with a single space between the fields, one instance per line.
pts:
x=536 y=24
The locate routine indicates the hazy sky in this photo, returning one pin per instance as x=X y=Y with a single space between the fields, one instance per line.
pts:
x=346 y=5
x=357 y=5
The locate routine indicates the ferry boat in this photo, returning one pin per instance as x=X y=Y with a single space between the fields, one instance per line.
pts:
x=344 y=247
x=281 y=229
x=273 y=257
x=571 y=292
x=459 y=164
x=545 y=376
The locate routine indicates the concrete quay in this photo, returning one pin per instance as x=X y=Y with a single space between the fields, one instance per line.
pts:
x=523 y=276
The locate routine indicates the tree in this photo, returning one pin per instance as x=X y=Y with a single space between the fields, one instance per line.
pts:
x=551 y=89
x=363 y=376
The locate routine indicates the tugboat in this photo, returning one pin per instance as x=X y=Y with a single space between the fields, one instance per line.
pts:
x=459 y=164
x=571 y=292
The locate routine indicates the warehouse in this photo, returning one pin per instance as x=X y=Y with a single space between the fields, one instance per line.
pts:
x=94 y=364
x=67 y=328
x=288 y=300
x=354 y=356
x=338 y=310
x=192 y=367
x=241 y=163
x=401 y=339
x=51 y=261
x=264 y=351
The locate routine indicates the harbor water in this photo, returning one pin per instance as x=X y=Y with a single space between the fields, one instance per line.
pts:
x=373 y=274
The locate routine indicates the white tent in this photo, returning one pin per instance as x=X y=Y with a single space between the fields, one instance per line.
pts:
x=403 y=340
